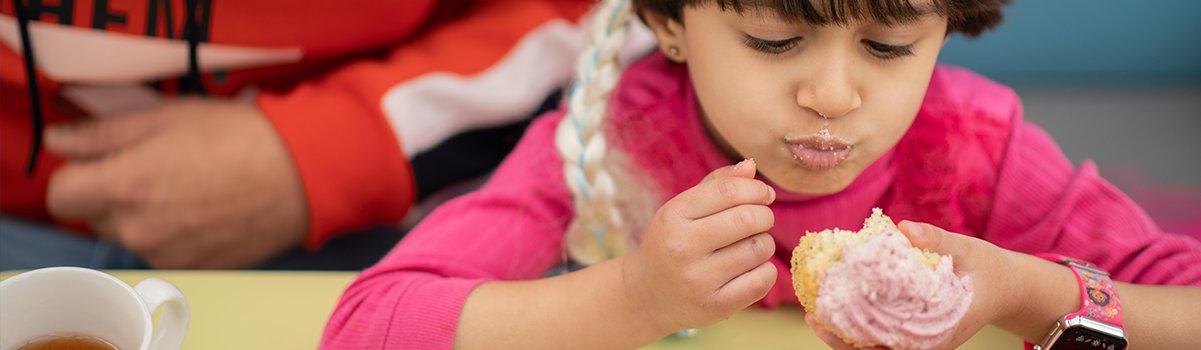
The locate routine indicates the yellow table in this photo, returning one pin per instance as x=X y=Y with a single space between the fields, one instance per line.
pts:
x=287 y=310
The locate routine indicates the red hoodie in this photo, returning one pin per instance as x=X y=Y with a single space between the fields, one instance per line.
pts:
x=355 y=89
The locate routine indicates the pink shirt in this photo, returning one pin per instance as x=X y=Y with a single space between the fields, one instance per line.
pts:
x=1003 y=180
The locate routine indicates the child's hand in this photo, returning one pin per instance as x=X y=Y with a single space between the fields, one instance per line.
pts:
x=830 y=338
x=988 y=265
x=705 y=254
x=984 y=262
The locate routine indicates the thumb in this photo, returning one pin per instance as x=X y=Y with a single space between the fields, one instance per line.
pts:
x=96 y=137
x=927 y=236
x=744 y=169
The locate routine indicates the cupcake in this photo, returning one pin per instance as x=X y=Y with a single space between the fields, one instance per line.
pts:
x=873 y=288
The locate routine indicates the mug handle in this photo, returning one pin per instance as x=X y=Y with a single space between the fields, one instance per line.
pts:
x=173 y=322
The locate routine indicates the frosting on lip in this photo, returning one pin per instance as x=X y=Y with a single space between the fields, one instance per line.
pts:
x=822 y=141
x=818 y=152
x=880 y=294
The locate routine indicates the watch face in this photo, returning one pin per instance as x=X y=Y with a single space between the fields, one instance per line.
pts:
x=1080 y=338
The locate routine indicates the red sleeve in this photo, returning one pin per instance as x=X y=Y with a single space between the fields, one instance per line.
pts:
x=1044 y=204
x=511 y=229
x=345 y=145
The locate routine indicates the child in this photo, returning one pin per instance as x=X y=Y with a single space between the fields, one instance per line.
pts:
x=837 y=107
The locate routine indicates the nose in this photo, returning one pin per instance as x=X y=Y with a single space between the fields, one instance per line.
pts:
x=831 y=90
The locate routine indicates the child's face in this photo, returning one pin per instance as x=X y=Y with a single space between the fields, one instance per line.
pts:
x=764 y=84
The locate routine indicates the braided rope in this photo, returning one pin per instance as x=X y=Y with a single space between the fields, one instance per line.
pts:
x=596 y=234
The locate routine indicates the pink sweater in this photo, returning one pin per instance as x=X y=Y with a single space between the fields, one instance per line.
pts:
x=1004 y=181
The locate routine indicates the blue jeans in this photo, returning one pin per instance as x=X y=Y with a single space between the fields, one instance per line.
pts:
x=27 y=245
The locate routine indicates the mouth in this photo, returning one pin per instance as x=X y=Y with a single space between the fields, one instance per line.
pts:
x=818 y=152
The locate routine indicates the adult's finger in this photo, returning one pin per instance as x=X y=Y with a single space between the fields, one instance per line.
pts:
x=97 y=137
x=80 y=190
x=105 y=227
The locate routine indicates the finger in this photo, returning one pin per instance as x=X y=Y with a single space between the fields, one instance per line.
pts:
x=743 y=255
x=832 y=340
x=927 y=236
x=96 y=137
x=104 y=228
x=731 y=225
x=79 y=190
x=749 y=287
x=961 y=335
x=713 y=196
x=744 y=169
x=824 y=334
x=968 y=253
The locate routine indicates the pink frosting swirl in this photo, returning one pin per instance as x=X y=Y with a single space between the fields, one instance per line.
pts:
x=881 y=294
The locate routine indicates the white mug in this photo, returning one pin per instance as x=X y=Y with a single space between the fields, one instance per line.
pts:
x=84 y=301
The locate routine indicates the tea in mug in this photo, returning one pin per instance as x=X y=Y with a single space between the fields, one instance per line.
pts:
x=66 y=341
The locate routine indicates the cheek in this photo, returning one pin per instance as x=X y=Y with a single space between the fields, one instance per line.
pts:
x=895 y=98
x=731 y=81
x=888 y=120
x=740 y=104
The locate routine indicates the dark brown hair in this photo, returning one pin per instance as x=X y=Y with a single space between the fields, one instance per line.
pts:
x=970 y=17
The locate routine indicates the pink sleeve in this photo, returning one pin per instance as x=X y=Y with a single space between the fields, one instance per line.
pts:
x=1044 y=204
x=511 y=229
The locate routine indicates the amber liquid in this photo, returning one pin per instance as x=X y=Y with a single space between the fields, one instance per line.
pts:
x=67 y=341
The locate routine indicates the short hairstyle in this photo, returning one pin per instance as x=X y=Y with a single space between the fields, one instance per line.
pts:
x=969 y=17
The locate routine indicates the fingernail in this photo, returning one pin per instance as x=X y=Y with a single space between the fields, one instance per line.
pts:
x=772 y=192
x=743 y=163
x=913 y=228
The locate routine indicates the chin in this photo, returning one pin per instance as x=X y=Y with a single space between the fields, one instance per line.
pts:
x=816 y=182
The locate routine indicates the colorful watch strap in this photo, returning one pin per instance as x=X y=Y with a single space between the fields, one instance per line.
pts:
x=1099 y=299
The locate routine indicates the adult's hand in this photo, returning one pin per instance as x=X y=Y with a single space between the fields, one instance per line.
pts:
x=192 y=183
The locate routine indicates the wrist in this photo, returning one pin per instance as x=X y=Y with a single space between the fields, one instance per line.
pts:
x=1045 y=292
x=637 y=297
x=1013 y=299
x=1098 y=322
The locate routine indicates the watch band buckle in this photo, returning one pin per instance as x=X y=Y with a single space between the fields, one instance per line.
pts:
x=1087 y=267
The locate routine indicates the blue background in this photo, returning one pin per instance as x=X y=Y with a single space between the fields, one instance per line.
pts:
x=1156 y=41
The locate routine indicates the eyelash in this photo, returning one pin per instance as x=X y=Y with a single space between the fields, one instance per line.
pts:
x=881 y=50
x=770 y=46
x=888 y=52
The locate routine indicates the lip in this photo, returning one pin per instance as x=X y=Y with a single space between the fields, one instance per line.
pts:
x=819 y=152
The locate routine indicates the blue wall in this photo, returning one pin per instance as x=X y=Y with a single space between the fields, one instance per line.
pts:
x=1086 y=41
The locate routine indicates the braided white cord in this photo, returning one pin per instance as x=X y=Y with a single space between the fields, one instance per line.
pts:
x=596 y=233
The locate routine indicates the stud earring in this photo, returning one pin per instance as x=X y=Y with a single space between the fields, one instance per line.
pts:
x=673 y=51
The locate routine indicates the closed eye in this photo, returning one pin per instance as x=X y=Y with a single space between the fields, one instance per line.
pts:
x=770 y=46
x=886 y=51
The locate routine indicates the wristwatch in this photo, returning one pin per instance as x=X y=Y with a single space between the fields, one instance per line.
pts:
x=1098 y=324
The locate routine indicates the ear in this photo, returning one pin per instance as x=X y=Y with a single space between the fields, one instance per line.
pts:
x=669 y=33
